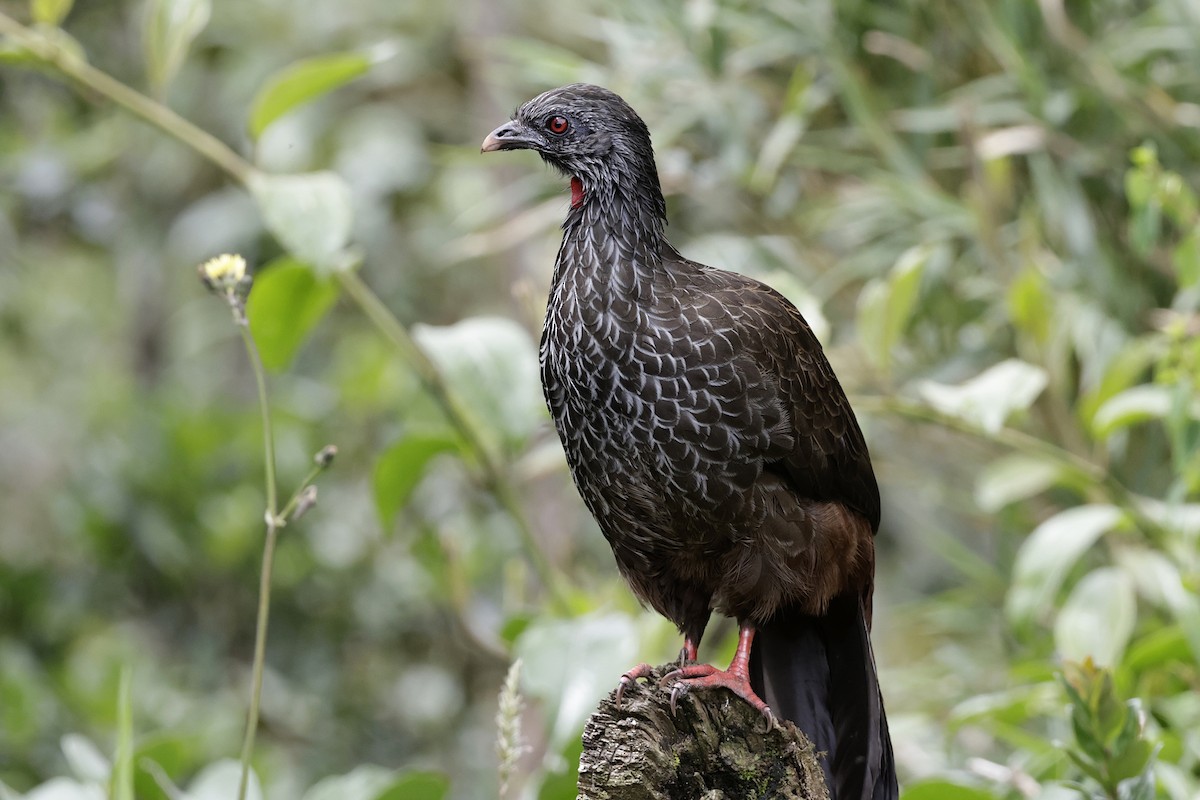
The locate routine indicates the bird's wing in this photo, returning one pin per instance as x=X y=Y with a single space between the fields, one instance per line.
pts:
x=818 y=444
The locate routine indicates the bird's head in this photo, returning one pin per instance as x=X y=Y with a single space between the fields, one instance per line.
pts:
x=588 y=133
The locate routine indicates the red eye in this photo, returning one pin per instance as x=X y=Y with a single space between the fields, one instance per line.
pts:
x=557 y=125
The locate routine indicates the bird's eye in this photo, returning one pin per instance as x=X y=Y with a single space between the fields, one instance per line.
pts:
x=557 y=125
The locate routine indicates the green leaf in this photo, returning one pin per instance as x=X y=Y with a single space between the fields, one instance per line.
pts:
x=1091 y=753
x=991 y=397
x=1050 y=552
x=162 y=754
x=1127 y=368
x=1013 y=705
x=168 y=30
x=310 y=214
x=1130 y=407
x=1178 y=200
x=1145 y=227
x=85 y=759
x=941 y=789
x=1097 y=619
x=1155 y=576
x=1030 y=305
x=491 y=364
x=514 y=626
x=1139 y=187
x=1129 y=762
x=885 y=306
x=219 y=781
x=1159 y=581
x=1140 y=788
x=302 y=82
x=285 y=304
x=400 y=469
x=417 y=785
x=1186 y=258
x=1163 y=648
x=50 y=12
x=1014 y=478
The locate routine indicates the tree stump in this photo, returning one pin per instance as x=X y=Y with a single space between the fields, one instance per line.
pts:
x=715 y=747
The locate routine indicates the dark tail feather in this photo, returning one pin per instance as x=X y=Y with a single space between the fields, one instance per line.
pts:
x=819 y=672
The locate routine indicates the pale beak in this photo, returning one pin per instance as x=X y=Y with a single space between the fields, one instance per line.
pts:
x=509 y=136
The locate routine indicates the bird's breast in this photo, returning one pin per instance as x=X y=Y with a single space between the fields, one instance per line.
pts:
x=648 y=399
x=598 y=368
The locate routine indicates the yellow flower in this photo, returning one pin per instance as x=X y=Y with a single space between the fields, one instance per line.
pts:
x=225 y=269
x=227 y=278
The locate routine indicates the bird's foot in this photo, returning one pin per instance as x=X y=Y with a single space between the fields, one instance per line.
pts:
x=631 y=678
x=706 y=676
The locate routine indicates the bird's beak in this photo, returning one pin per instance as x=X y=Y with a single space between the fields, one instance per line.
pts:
x=509 y=136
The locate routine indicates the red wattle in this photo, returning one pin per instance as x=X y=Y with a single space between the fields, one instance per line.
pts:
x=576 y=192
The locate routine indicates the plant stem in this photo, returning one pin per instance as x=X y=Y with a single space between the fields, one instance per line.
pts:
x=264 y=409
x=260 y=653
x=264 y=586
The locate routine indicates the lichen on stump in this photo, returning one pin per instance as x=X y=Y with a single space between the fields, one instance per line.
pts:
x=715 y=747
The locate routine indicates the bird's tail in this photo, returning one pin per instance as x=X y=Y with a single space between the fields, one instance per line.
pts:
x=819 y=672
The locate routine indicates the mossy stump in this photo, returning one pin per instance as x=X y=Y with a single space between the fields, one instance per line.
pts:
x=715 y=747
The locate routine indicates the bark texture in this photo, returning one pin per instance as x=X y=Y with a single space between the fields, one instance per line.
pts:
x=715 y=747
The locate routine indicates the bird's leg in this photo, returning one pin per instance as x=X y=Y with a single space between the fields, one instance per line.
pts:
x=688 y=653
x=736 y=679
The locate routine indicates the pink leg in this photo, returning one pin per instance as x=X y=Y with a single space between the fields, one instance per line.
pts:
x=736 y=679
x=688 y=653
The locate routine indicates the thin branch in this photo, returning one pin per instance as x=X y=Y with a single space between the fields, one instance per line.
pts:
x=264 y=588
x=264 y=409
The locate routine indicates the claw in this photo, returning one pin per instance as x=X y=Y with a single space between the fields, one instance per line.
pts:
x=625 y=681
x=630 y=679
x=677 y=690
x=705 y=676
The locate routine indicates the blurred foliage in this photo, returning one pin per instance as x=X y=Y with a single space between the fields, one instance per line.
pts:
x=986 y=209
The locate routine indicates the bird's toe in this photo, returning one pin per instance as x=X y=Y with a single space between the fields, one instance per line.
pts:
x=630 y=678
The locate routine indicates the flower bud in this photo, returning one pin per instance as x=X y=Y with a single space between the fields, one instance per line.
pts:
x=325 y=457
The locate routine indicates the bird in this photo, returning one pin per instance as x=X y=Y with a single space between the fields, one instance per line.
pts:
x=707 y=434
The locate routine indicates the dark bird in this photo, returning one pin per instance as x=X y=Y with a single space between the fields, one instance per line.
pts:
x=711 y=440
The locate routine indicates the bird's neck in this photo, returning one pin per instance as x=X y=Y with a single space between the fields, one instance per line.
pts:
x=614 y=235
